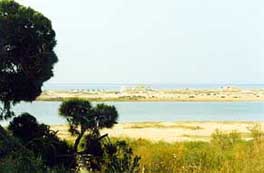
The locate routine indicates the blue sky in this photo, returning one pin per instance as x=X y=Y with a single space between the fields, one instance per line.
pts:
x=154 y=41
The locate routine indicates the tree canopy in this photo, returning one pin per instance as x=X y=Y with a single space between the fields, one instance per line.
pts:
x=97 y=152
x=81 y=117
x=27 y=55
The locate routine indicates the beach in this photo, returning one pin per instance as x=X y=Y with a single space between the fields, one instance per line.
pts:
x=171 y=131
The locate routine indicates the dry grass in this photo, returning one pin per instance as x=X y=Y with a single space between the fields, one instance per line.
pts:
x=224 y=153
x=162 y=125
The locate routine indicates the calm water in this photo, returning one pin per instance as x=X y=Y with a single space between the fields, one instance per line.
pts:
x=110 y=86
x=47 y=112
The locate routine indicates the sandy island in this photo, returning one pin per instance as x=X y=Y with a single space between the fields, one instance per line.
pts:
x=142 y=93
x=171 y=131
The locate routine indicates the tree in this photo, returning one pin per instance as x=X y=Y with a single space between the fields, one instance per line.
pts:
x=42 y=141
x=97 y=153
x=26 y=128
x=82 y=117
x=27 y=57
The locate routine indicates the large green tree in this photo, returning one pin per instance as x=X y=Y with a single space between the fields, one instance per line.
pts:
x=27 y=55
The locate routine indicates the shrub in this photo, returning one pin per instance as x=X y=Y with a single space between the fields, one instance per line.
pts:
x=109 y=157
x=42 y=141
x=226 y=152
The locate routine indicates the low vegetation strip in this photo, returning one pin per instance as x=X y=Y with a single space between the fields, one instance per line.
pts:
x=224 y=153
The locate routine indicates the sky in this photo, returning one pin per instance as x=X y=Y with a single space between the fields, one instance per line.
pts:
x=155 y=41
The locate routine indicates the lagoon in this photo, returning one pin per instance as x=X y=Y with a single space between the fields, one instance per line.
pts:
x=47 y=112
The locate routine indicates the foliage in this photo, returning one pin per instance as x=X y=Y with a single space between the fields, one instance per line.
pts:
x=82 y=117
x=21 y=161
x=102 y=155
x=231 y=155
x=25 y=162
x=26 y=128
x=97 y=153
x=257 y=133
x=119 y=158
x=105 y=116
x=225 y=141
x=78 y=114
x=27 y=57
x=42 y=141
x=8 y=144
x=16 y=158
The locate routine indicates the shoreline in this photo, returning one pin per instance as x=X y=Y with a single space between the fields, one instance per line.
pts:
x=179 y=131
x=226 y=94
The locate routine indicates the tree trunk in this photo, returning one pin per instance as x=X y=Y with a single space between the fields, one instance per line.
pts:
x=77 y=141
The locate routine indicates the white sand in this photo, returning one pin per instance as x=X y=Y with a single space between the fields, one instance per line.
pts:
x=171 y=131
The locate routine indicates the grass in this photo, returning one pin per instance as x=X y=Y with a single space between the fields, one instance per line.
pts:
x=225 y=153
x=195 y=137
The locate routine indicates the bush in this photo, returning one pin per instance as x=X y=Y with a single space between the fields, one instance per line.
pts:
x=226 y=152
x=225 y=140
x=100 y=154
x=119 y=158
x=21 y=161
x=16 y=158
x=42 y=141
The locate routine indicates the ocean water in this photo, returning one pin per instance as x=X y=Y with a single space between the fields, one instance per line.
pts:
x=117 y=86
x=47 y=112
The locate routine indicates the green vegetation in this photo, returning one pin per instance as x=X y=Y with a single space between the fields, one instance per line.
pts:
x=97 y=152
x=27 y=41
x=82 y=117
x=27 y=57
x=225 y=153
x=42 y=141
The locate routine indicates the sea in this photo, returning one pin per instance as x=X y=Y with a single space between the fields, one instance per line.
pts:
x=118 y=86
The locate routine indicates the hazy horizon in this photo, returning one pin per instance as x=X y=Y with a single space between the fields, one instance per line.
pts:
x=237 y=83
x=118 y=86
x=174 y=41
